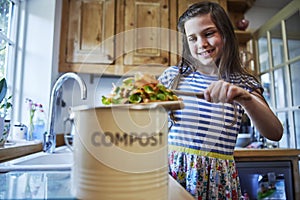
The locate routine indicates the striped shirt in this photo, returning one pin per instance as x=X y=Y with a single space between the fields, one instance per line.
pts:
x=202 y=126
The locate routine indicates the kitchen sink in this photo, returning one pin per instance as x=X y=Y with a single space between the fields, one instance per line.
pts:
x=61 y=159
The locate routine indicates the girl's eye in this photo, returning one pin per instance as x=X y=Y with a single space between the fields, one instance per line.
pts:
x=191 y=38
x=210 y=33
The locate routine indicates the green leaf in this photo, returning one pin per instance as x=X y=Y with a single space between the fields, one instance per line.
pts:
x=148 y=89
x=106 y=101
x=3 y=89
x=161 y=87
x=135 y=98
x=116 y=100
x=153 y=97
x=161 y=97
x=128 y=81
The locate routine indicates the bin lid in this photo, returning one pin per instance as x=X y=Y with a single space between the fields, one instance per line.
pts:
x=168 y=105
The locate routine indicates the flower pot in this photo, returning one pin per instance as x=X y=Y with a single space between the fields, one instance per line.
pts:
x=4 y=130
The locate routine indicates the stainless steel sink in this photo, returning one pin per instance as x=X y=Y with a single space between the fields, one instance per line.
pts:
x=62 y=159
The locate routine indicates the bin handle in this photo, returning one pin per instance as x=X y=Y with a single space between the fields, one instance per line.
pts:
x=69 y=136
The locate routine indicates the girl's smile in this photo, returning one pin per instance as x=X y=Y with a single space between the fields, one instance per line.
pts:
x=206 y=53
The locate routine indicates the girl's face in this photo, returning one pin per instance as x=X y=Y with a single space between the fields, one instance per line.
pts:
x=204 y=39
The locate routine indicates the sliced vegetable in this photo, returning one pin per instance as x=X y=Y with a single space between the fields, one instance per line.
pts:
x=106 y=101
x=148 y=89
x=135 y=98
x=161 y=97
x=139 y=89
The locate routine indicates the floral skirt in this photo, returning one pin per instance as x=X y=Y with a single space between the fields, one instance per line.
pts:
x=205 y=177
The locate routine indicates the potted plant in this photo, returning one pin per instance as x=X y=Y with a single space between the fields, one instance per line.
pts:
x=5 y=104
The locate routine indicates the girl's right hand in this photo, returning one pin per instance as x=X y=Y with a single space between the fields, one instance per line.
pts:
x=224 y=92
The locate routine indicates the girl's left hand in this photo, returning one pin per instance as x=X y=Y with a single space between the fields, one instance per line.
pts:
x=224 y=92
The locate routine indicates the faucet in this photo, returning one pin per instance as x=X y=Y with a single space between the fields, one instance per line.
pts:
x=50 y=136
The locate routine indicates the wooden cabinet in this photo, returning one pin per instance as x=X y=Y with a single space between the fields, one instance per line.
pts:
x=86 y=34
x=121 y=37
x=115 y=37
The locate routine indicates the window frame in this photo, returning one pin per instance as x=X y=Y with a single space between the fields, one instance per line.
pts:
x=11 y=39
x=265 y=31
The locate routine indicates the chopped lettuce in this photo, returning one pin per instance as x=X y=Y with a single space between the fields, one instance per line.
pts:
x=139 y=89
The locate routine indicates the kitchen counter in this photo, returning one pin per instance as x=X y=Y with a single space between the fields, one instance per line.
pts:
x=7 y=179
x=56 y=185
x=241 y=153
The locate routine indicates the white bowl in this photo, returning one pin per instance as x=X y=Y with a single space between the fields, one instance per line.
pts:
x=243 y=140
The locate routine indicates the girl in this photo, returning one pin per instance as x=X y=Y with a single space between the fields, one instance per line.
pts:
x=203 y=135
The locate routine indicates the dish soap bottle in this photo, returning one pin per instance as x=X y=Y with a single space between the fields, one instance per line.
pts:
x=39 y=124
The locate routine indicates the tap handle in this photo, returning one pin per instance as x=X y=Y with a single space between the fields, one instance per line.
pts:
x=47 y=142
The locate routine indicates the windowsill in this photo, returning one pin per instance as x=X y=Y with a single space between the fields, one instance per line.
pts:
x=15 y=149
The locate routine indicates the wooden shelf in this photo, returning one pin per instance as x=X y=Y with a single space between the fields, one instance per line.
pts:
x=243 y=36
x=240 y=6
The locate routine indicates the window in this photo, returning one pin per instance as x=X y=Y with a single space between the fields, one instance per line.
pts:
x=278 y=44
x=8 y=17
x=8 y=37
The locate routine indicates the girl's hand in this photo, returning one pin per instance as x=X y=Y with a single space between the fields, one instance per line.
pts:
x=224 y=92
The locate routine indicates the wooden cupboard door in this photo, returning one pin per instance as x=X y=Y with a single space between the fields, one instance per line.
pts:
x=146 y=36
x=90 y=34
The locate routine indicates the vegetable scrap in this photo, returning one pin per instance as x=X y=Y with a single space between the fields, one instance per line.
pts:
x=142 y=88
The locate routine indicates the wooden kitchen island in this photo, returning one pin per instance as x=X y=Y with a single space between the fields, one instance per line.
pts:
x=259 y=155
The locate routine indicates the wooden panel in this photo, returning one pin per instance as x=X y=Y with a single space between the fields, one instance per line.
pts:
x=146 y=32
x=149 y=38
x=90 y=31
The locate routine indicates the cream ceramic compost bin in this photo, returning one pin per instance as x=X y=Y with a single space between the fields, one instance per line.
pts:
x=120 y=151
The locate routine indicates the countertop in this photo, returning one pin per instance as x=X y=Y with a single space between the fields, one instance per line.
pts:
x=50 y=184
x=15 y=149
x=276 y=152
x=56 y=185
